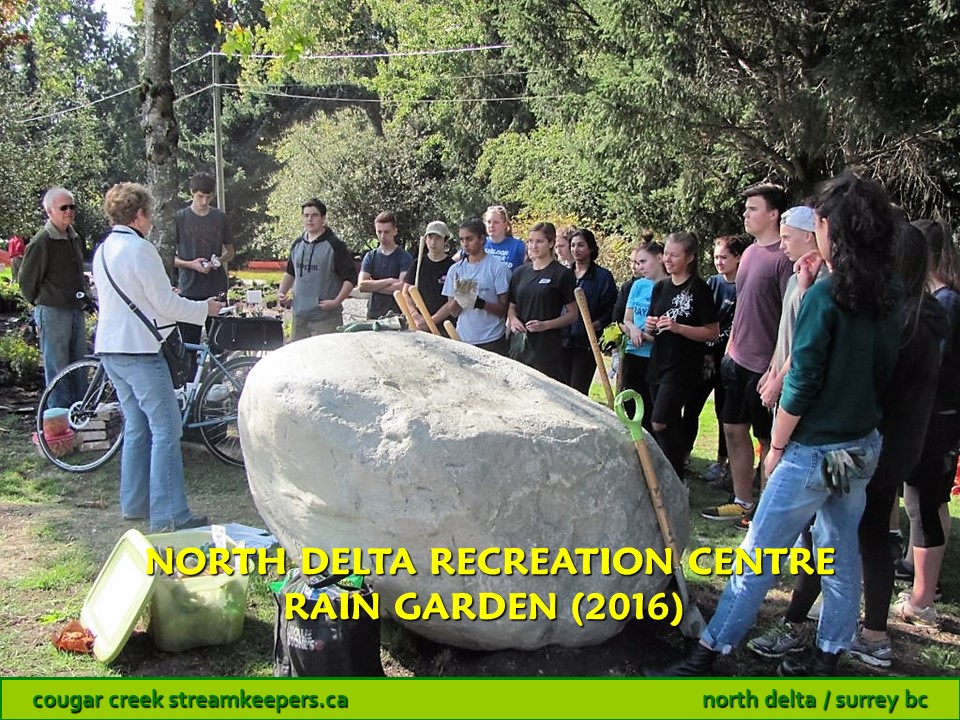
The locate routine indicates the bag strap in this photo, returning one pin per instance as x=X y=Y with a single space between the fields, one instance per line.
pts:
x=130 y=303
x=321 y=582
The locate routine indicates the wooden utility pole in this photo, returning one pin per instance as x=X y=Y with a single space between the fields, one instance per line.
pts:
x=218 y=133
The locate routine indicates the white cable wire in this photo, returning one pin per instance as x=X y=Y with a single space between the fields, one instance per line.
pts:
x=260 y=91
x=107 y=97
x=401 y=53
x=58 y=113
x=408 y=53
x=195 y=92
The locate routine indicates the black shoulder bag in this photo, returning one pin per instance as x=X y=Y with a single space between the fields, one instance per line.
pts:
x=173 y=349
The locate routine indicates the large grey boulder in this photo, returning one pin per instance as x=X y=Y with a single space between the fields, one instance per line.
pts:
x=405 y=440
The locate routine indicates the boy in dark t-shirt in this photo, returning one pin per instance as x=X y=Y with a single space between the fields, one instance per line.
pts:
x=203 y=243
x=203 y=246
x=382 y=270
x=433 y=267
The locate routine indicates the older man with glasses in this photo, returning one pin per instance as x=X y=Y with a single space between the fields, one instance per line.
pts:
x=52 y=279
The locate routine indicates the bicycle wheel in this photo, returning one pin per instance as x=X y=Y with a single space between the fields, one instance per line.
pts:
x=87 y=401
x=216 y=409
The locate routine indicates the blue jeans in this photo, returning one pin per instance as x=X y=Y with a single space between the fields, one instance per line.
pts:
x=63 y=340
x=151 y=463
x=795 y=493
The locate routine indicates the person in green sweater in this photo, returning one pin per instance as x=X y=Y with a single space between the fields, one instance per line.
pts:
x=825 y=445
x=52 y=279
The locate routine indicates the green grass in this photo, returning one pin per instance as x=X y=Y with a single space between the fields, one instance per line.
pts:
x=72 y=567
x=264 y=276
x=59 y=528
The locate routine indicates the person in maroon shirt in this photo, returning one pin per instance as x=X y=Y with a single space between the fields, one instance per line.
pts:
x=761 y=281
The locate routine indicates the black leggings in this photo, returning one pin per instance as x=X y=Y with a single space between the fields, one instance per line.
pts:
x=668 y=400
x=875 y=557
x=579 y=367
x=635 y=378
x=696 y=401
x=928 y=486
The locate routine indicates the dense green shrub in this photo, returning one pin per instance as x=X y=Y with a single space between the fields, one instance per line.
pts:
x=19 y=358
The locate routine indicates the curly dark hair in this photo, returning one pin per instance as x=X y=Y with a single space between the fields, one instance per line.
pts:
x=862 y=232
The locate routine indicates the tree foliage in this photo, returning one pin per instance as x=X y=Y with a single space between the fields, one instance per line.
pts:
x=620 y=114
x=700 y=96
x=51 y=133
x=357 y=172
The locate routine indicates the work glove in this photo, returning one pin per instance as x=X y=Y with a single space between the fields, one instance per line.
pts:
x=837 y=466
x=465 y=294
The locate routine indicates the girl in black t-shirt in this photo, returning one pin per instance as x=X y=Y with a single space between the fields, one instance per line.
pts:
x=541 y=303
x=682 y=318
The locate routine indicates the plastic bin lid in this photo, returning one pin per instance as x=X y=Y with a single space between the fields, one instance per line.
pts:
x=119 y=595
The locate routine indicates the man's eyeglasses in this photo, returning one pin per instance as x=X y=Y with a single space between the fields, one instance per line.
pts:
x=64 y=208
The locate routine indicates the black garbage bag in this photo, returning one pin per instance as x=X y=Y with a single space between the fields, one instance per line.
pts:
x=324 y=647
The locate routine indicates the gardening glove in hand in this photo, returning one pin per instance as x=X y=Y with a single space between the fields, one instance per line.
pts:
x=836 y=468
x=466 y=296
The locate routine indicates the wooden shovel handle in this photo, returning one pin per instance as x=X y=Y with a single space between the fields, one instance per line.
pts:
x=424 y=310
x=594 y=344
x=451 y=330
x=405 y=309
x=656 y=496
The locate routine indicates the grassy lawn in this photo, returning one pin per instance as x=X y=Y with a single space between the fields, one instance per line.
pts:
x=57 y=529
x=264 y=276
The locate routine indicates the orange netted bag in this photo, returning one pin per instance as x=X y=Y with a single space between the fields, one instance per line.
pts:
x=74 y=637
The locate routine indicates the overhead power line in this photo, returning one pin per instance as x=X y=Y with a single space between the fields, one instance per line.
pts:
x=111 y=96
x=265 y=90
x=342 y=56
x=74 y=108
x=398 y=53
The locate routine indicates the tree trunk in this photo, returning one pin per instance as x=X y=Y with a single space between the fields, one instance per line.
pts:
x=159 y=124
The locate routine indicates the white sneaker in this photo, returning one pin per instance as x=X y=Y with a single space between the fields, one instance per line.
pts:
x=910 y=613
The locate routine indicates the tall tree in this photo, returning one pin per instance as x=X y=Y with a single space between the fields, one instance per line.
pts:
x=158 y=119
x=59 y=126
x=697 y=96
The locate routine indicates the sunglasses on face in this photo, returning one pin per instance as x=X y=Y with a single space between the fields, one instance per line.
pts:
x=64 y=208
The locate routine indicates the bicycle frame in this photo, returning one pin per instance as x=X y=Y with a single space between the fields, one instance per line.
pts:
x=208 y=404
x=192 y=388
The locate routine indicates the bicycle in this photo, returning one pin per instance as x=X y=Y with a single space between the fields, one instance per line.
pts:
x=94 y=430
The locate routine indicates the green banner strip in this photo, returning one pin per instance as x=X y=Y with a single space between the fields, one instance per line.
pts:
x=855 y=698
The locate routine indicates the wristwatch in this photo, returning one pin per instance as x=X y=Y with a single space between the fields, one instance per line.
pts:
x=479 y=303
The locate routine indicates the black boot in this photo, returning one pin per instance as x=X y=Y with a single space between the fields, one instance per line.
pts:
x=814 y=662
x=697 y=663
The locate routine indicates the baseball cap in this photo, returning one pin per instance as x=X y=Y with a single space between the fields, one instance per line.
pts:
x=437 y=227
x=800 y=217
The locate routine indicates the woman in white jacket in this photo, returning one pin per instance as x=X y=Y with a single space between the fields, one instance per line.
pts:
x=151 y=465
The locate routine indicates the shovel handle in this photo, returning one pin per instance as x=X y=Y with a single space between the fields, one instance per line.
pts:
x=646 y=463
x=405 y=309
x=451 y=330
x=581 y=299
x=656 y=497
x=423 y=309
